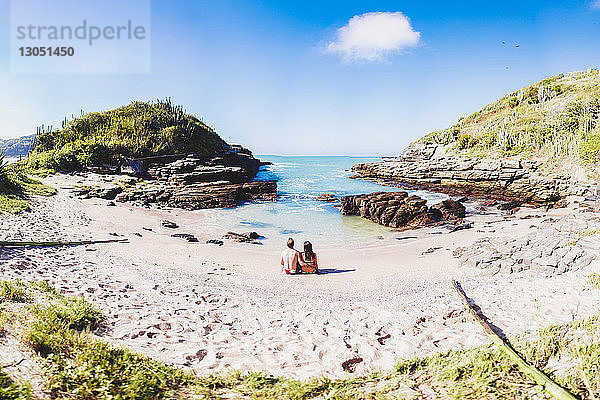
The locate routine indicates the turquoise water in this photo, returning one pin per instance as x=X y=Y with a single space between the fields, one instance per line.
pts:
x=298 y=214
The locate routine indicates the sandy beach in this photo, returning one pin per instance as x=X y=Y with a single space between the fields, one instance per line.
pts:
x=213 y=308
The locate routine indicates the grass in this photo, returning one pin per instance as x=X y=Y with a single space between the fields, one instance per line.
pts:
x=594 y=279
x=554 y=119
x=9 y=390
x=14 y=291
x=139 y=129
x=79 y=365
x=16 y=187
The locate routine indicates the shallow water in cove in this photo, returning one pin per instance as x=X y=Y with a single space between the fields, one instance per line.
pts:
x=298 y=214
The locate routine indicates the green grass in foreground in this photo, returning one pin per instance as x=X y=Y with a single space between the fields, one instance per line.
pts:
x=79 y=365
x=9 y=390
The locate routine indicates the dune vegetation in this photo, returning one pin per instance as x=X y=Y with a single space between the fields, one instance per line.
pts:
x=554 y=119
x=140 y=129
x=16 y=187
x=59 y=331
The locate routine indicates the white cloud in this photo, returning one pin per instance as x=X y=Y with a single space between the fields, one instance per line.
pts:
x=595 y=4
x=372 y=37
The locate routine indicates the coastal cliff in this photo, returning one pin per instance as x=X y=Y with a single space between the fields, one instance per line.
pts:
x=537 y=145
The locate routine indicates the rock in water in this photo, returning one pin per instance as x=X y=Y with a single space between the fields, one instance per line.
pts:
x=327 y=197
x=399 y=210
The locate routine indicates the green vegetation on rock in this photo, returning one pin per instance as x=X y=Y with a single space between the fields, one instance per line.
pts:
x=140 y=129
x=556 y=118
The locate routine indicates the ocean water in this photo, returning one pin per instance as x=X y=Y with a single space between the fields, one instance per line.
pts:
x=298 y=214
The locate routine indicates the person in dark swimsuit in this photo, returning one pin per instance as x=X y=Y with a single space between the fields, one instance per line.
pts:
x=309 y=262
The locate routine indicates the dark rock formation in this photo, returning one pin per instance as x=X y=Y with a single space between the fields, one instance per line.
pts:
x=107 y=193
x=427 y=166
x=169 y=224
x=231 y=167
x=195 y=182
x=448 y=210
x=399 y=210
x=202 y=195
x=186 y=236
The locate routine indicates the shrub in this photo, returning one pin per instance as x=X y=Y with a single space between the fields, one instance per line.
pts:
x=513 y=102
x=589 y=150
x=466 y=141
x=14 y=291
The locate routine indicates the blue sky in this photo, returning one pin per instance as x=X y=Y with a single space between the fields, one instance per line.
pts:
x=266 y=75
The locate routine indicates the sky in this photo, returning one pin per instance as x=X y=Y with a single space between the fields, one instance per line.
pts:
x=318 y=77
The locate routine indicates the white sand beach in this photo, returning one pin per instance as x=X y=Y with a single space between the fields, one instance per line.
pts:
x=213 y=308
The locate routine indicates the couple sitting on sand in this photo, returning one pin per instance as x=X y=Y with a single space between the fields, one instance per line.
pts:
x=295 y=262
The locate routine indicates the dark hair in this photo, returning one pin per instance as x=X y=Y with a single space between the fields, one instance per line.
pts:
x=290 y=243
x=309 y=254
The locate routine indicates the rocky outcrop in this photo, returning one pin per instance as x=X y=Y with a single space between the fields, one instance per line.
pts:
x=231 y=167
x=549 y=255
x=399 y=210
x=551 y=246
x=220 y=194
x=192 y=182
x=428 y=166
x=107 y=193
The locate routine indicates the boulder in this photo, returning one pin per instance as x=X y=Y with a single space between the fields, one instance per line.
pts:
x=248 y=237
x=186 y=236
x=449 y=210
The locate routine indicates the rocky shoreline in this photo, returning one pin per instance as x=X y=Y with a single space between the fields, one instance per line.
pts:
x=189 y=181
x=428 y=166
